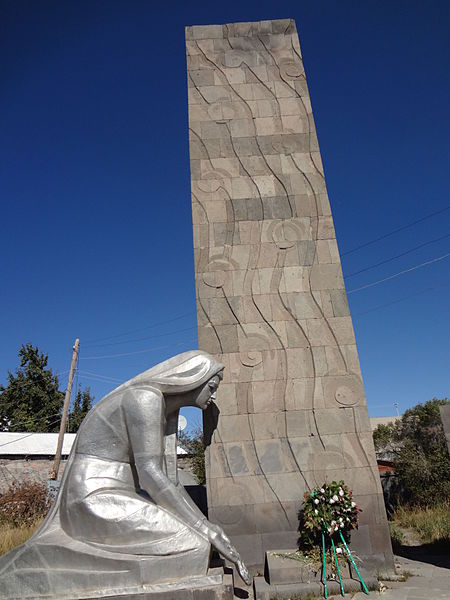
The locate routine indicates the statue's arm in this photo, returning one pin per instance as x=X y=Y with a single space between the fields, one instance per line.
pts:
x=144 y=415
x=145 y=421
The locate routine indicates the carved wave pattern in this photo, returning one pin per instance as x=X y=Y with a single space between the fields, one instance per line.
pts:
x=259 y=206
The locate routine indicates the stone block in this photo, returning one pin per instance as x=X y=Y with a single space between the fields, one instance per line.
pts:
x=234 y=428
x=202 y=32
x=202 y=77
x=280 y=569
x=239 y=520
x=274 y=518
x=250 y=546
x=326 y=277
x=340 y=303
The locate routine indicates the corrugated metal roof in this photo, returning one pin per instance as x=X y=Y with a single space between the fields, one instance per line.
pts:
x=29 y=444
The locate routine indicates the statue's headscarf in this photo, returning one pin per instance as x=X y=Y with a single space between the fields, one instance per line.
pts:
x=181 y=373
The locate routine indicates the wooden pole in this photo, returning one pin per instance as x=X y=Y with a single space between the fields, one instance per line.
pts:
x=62 y=428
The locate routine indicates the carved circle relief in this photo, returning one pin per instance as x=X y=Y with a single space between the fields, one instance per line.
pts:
x=215 y=279
x=346 y=390
x=251 y=359
x=287 y=233
x=346 y=396
x=291 y=69
x=222 y=111
x=209 y=185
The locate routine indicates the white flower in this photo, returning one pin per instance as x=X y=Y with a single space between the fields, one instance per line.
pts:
x=333 y=523
x=331 y=501
x=353 y=504
x=341 y=492
x=335 y=498
x=316 y=501
x=329 y=530
x=341 y=525
x=322 y=491
x=316 y=512
x=336 y=528
x=347 y=519
x=338 y=550
x=340 y=519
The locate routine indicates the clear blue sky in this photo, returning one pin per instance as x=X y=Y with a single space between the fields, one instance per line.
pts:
x=96 y=221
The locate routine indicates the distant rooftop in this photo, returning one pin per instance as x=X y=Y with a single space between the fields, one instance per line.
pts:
x=375 y=421
x=30 y=444
x=38 y=444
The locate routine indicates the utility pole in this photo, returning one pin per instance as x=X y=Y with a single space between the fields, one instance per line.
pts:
x=62 y=428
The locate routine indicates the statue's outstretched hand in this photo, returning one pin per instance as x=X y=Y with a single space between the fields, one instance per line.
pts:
x=223 y=545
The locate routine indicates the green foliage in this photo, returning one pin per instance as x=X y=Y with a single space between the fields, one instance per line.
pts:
x=31 y=401
x=194 y=446
x=421 y=456
x=81 y=406
x=329 y=509
x=382 y=436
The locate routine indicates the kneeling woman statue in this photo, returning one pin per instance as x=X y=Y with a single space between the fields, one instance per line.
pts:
x=122 y=522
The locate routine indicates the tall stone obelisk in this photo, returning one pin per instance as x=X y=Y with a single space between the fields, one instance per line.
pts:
x=271 y=298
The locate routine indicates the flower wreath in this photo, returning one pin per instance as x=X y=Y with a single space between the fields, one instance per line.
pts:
x=328 y=509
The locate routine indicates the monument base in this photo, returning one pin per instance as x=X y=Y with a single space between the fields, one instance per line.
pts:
x=216 y=585
x=286 y=577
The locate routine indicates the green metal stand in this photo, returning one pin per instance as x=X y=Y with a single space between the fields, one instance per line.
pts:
x=366 y=591
x=324 y=566
x=337 y=567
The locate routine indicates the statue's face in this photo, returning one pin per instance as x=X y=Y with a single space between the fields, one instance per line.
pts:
x=208 y=392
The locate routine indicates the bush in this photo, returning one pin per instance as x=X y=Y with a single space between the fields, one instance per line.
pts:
x=421 y=460
x=23 y=504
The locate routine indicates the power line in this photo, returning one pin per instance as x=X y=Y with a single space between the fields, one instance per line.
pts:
x=34 y=420
x=383 y=262
x=110 y=337
x=394 y=231
x=35 y=383
x=149 y=337
x=99 y=377
x=424 y=264
x=380 y=306
x=136 y=352
x=26 y=435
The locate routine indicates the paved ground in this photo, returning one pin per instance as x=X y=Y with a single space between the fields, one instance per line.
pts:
x=425 y=581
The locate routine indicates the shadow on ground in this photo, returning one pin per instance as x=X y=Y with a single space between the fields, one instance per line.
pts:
x=436 y=553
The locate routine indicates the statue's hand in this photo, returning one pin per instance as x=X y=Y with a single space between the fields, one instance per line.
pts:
x=243 y=572
x=223 y=545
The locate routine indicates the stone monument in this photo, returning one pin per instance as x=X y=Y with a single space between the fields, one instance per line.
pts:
x=271 y=300
x=122 y=524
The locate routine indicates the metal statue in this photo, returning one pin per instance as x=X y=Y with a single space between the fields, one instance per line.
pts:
x=122 y=521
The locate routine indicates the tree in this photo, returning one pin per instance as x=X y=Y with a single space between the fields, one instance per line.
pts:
x=81 y=406
x=421 y=458
x=193 y=444
x=32 y=400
